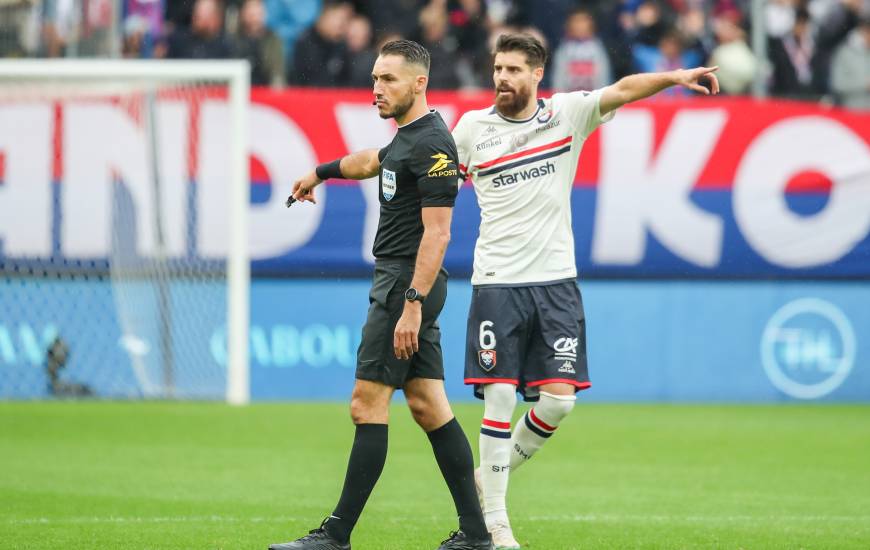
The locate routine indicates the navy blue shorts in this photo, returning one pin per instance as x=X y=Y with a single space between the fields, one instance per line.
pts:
x=527 y=336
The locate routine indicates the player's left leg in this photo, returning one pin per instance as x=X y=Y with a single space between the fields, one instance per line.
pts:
x=557 y=367
x=540 y=422
x=431 y=410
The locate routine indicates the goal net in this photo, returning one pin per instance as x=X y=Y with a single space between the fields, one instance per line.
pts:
x=123 y=235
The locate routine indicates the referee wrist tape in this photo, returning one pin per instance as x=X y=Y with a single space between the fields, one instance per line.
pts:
x=329 y=170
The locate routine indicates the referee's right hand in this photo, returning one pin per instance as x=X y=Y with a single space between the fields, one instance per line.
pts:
x=303 y=188
x=405 y=342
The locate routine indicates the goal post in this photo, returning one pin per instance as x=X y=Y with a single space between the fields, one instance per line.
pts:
x=124 y=188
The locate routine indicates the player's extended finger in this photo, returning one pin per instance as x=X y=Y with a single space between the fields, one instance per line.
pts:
x=714 y=83
x=698 y=88
x=415 y=342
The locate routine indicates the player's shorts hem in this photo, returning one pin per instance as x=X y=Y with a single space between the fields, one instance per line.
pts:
x=575 y=383
x=514 y=381
x=373 y=377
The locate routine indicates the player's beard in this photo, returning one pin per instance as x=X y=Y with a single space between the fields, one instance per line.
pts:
x=402 y=106
x=511 y=105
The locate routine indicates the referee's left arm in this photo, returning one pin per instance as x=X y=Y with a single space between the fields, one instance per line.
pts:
x=430 y=255
x=435 y=166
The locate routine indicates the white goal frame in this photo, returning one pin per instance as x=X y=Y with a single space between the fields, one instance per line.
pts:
x=237 y=76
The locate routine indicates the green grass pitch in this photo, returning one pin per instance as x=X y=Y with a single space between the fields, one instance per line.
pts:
x=209 y=476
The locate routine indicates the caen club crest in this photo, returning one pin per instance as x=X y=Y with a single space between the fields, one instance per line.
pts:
x=545 y=116
x=486 y=358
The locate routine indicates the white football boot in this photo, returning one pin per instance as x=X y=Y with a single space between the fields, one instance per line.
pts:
x=503 y=536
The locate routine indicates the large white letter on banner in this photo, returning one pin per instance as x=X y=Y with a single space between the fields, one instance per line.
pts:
x=102 y=144
x=782 y=151
x=362 y=128
x=25 y=190
x=286 y=153
x=638 y=193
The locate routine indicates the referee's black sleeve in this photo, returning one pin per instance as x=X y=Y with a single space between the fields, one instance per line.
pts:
x=434 y=165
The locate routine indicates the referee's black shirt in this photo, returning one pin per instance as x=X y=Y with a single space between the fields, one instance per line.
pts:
x=418 y=169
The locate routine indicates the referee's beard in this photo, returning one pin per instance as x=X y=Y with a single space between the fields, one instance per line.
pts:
x=512 y=104
x=400 y=107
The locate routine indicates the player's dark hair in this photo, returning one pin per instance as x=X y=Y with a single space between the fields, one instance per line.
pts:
x=536 y=53
x=410 y=50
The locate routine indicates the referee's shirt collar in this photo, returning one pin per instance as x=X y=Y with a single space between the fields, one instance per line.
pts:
x=421 y=117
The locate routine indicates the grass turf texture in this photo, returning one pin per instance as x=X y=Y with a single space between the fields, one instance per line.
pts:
x=208 y=476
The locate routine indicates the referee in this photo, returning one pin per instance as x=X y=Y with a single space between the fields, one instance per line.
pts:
x=400 y=346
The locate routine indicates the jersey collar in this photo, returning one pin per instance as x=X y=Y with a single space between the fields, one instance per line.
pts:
x=431 y=111
x=494 y=111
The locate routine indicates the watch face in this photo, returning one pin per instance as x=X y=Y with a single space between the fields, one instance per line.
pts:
x=411 y=294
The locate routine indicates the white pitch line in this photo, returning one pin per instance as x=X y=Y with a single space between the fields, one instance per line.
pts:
x=579 y=518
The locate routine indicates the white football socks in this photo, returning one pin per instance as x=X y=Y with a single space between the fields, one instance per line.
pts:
x=495 y=448
x=536 y=426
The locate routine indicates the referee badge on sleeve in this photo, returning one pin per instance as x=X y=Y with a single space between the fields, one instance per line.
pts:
x=486 y=358
x=388 y=183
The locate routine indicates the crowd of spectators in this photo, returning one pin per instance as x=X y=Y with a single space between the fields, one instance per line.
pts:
x=814 y=48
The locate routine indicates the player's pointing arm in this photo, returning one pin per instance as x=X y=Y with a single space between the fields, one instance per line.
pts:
x=356 y=166
x=638 y=86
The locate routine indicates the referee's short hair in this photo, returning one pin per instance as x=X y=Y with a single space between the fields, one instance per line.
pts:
x=536 y=53
x=410 y=50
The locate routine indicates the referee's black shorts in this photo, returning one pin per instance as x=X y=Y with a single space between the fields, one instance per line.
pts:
x=376 y=360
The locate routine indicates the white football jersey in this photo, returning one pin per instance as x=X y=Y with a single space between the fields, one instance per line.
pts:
x=523 y=172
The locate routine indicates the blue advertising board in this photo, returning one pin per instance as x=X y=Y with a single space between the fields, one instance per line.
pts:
x=647 y=341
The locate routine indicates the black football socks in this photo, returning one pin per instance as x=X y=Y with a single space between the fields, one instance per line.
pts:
x=367 y=458
x=454 y=457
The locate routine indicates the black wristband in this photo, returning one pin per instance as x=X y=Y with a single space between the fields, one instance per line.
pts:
x=329 y=170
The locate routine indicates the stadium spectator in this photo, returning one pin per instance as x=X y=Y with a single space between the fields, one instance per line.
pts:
x=833 y=21
x=94 y=36
x=14 y=17
x=850 y=69
x=392 y=16
x=289 y=19
x=548 y=16
x=668 y=56
x=134 y=45
x=143 y=29
x=616 y=29
x=151 y=11
x=737 y=64
x=320 y=57
x=580 y=62
x=260 y=46
x=650 y=25
x=692 y=25
x=362 y=54
x=442 y=48
x=792 y=59
x=205 y=38
x=59 y=20
x=468 y=24
x=779 y=17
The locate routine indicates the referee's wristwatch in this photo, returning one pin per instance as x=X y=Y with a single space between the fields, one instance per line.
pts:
x=412 y=295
